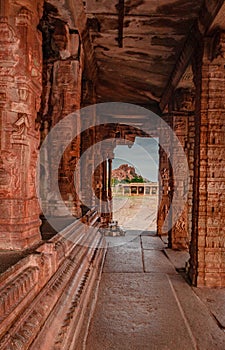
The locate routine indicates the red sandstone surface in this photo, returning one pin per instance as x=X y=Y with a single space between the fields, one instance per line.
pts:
x=58 y=56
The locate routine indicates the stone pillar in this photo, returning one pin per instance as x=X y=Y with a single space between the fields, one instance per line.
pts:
x=104 y=180
x=182 y=109
x=20 y=91
x=110 y=179
x=207 y=264
x=62 y=81
x=110 y=196
x=106 y=212
x=89 y=187
x=164 y=181
x=190 y=153
x=179 y=117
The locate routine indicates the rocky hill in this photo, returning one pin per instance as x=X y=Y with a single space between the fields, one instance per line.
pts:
x=126 y=173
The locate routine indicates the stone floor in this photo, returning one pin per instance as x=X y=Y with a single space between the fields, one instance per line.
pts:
x=136 y=213
x=145 y=304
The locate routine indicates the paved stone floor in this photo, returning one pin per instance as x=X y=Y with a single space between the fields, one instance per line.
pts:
x=144 y=303
x=136 y=213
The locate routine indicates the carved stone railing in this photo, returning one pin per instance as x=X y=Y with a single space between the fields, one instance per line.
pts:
x=44 y=296
x=14 y=292
x=18 y=286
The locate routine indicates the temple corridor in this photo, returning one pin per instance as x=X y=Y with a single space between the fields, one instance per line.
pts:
x=79 y=80
x=145 y=304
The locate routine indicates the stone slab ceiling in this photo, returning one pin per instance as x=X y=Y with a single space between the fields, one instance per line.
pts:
x=137 y=44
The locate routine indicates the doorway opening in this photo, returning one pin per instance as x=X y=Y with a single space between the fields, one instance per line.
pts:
x=135 y=187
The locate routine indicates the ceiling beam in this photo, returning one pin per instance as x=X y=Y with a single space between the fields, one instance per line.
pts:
x=219 y=20
x=209 y=11
x=120 y=9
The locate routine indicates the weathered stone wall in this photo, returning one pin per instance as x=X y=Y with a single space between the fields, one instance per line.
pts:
x=20 y=91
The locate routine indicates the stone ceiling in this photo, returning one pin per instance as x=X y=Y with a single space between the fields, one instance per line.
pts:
x=137 y=44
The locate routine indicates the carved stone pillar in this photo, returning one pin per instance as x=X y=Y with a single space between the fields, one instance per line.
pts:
x=207 y=265
x=182 y=110
x=104 y=195
x=88 y=139
x=87 y=168
x=20 y=90
x=190 y=154
x=62 y=80
x=164 y=181
x=179 y=117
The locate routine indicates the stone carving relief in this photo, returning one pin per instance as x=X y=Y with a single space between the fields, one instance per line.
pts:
x=34 y=63
x=20 y=127
x=216 y=46
x=8 y=48
x=3 y=98
x=17 y=289
x=9 y=179
x=180 y=225
x=7 y=34
x=23 y=93
x=33 y=50
x=24 y=16
x=184 y=100
x=32 y=172
x=180 y=125
x=180 y=168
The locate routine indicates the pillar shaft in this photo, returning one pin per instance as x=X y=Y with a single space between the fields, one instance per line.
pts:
x=179 y=116
x=208 y=234
x=62 y=82
x=165 y=177
x=110 y=179
x=20 y=90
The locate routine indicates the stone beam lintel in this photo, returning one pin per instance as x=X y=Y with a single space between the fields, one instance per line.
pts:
x=211 y=16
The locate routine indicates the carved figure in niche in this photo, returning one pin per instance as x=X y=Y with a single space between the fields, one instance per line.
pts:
x=24 y=16
x=9 y=44
x=32 y=171
x=21 y=127
x=9 y=179
x=34 y=57
x=6 y=32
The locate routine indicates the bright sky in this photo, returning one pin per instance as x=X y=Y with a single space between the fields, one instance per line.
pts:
x=143 y=155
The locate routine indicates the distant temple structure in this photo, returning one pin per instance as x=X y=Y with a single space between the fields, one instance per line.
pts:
x=77 y=79
x=136 y=189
